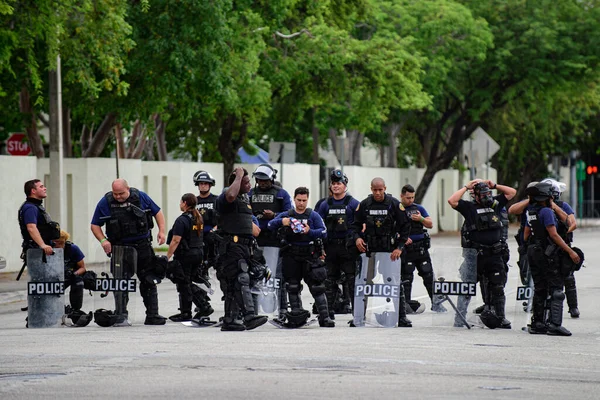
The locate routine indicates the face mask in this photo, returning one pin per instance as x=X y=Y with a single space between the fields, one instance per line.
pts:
x=487 y=200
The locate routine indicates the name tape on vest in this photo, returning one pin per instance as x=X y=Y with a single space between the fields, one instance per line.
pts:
x=263 y=198
x=337 y=211
x=378 y=212
x=115 y=285
x=455 y=288
x=377 y=290
x=45 y=288
x=524 y=293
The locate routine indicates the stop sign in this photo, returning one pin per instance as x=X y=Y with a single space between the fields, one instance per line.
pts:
x=16 y=146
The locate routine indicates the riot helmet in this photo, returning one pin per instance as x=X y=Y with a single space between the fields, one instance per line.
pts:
x=557 y=187
x=265 y=172
x=337 y=175
x=482 y=191
x=541 y=191
x=203 y=176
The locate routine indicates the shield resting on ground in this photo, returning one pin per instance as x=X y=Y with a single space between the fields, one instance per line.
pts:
x=268 y=291
x=45 y=289
x=377 y=291
x=524 y=296
x=116 y=284
x=455 y=286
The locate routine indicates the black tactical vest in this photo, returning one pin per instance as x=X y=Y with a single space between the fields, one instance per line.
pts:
x=486 y=219
x=266 y=200
x=292 y=237
x=538 y=230
x=207 y=207
x=380 y=221
x=127 y=219
x=337 y=218
x=191 y=241
x=239 y=220
x=416 y=227
x=49 y=230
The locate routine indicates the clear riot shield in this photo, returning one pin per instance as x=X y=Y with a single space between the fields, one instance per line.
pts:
x=267 y=292
x=455 y=286
x=45 y=289
x=116 y=284
x=377 y=291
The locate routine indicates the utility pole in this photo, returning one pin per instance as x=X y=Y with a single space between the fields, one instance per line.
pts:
x=57 y=188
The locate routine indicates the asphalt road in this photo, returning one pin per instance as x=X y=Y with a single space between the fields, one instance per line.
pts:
x=430 y=360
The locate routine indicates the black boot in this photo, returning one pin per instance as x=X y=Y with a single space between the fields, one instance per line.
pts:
x=571 y=293
x=555 y=319
x=403 y=322
x=150 y=297
x=183 y=316
x=499 y=305
x=324 y=315
x=230 y=322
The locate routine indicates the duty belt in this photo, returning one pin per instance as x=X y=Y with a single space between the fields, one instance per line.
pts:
x=336 y=241
x=246 y=241
x=491 y=249
x=301 y=250
x=419 y=245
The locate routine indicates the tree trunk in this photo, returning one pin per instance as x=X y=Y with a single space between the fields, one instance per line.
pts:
x=161 y=143
x=315 y=138
x=149 y=149
x=135 y=137
x=392 y=148
x=228 y=144
x=101 y=136
x=355 y=143
x=382 y=155
x=120 y=141
x=439 y=158
x=67 y=144
x=141 y=143
x=333 y=137
x=33 y=136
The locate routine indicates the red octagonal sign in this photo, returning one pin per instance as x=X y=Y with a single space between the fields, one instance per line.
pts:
x=16 y=146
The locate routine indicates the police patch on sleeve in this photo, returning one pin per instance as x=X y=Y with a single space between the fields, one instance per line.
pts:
x=401 y=206
x=357 y=207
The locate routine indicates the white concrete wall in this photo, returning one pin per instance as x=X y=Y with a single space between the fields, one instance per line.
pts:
x=88 y=179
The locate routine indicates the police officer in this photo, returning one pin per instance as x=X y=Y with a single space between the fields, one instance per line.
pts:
x=387 y=230
x=236 y=251
x=302 y=229
x=186 y=247
x=74 y=270
x=483 y=230
x=338 y=213
x=37 y=228
x=416 y=252
x=544 y=259
x=267 y=200
x=565 y=230
x=127 y=213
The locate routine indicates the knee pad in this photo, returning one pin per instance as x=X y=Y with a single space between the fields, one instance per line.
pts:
x=570 y=282
x=243 y=265
x=317 y=289
x=294 y=287
x=243 y=279
x=428 y=278
x=558 y=295
x=407 y=278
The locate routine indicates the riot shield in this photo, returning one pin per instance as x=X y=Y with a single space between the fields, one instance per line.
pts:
x=377 y=291
x=116 y=283
x=267 y=292
x=523 y=305
x=455 y=286
x=45 y=289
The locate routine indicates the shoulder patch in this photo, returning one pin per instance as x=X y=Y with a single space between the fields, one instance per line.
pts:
x=401 y=206
x=357 y=207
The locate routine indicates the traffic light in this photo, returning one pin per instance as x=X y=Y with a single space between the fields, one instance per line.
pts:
x=592 y=169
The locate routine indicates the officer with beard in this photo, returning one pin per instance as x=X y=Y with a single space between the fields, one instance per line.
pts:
x=387 y=230
x=302 y=229
x=338 y=214
x=565 y=230
x=236 y=251
x=484 y=229
x=416 y=252
x=267 y=200
x=206 y=206
x=544 y=260
x=127 y=213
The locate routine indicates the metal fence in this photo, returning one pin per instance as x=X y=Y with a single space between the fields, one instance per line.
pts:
x=588 y=209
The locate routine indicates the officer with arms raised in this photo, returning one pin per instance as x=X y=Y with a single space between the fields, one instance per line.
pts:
x=338 y=213
x=483 y=231
x=416 y=252
x=387 y=230
x=236 y=252
x=127 y=213
x=302 y=229
x=544 y=256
